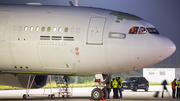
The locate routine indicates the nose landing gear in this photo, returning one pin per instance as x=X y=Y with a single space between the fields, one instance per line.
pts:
x=101 y=92
x=98 y=93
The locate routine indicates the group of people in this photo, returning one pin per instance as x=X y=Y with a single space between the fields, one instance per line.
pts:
x=175 y=85
x=116 y=85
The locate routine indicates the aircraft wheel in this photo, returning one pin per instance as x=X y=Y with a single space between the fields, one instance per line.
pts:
x=96 y=94
x=105 y=93
x=24 y=96
x=52 y=96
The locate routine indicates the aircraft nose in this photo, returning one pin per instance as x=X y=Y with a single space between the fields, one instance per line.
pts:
x=165 y=47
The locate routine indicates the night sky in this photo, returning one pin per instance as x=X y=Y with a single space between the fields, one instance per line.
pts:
x=163 y=14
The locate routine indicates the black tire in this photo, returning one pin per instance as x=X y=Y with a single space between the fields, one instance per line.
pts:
x=52 y=96
x=24 y=96
x=135 y=88
x=105 y=93
x=96 y=94
x=146 y=88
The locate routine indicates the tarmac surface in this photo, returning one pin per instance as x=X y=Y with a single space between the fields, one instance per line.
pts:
x=83 y=94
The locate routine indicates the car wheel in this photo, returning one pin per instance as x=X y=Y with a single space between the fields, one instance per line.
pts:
x=146 y=88
x=52 y=96
x=135 y=88
x=24 y=96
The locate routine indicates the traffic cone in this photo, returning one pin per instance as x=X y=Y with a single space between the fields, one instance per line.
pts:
x=102 y=99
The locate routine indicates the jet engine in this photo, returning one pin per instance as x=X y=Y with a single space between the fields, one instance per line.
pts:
x=21 y=80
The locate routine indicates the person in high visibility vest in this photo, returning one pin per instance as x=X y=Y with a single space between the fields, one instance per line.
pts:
x=120 y=86
x=108 y=87
x=115 y=89
x=173 y=85
x=178 y=89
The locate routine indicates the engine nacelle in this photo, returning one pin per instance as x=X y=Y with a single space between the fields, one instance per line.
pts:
x=21 y=80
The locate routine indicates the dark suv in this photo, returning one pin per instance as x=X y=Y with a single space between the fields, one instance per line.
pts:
x=135 y=83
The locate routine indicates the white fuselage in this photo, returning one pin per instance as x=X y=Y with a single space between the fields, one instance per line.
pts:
x=75 y=41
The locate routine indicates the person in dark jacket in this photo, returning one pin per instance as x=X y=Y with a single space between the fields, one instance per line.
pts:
x=164 y=83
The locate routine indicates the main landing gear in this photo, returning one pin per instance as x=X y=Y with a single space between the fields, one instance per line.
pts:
x=101 y=92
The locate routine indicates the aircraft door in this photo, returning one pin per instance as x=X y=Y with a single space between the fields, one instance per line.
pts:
x=96 y=31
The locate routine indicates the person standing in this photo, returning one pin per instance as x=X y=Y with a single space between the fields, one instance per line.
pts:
x=115 y=89
x=108 y=87
x=164 y=83
x=173 y=85
x=178 y=89
x=120 y=87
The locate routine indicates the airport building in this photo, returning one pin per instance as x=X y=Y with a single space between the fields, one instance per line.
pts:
x=157 y=75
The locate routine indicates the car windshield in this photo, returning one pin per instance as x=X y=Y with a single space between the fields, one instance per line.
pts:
x=152 y=30
x=131 y=79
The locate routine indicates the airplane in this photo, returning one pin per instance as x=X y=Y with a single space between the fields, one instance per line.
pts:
x=38 y=40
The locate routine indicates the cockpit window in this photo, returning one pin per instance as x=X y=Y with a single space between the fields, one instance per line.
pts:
x=142 y=30
x=152 y=31
x=133 y=30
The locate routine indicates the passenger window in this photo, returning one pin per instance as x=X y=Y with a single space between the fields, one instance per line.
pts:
x=72 y=30
x=20 y=28
x=54 y=29
x=66 y=29
x=143 y=79
x=133 y=30
x=43 y=29
x=31 y=28
x=60 y=29
x=77 y=30
x=25 y=28
x=37 y=29
x=49 y=29
x=142 y=30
